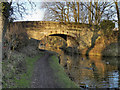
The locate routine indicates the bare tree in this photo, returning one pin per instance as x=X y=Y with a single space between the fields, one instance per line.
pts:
x=7 y=10
x=55 y=9
x=68 y=16
x=64 y=11
x=74 y=11
x=92 y=12
x=89 y=11
x=118 y=17
x=97 y=10
x=78 y=9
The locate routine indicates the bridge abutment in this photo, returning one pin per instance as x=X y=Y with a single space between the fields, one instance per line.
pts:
x=71 y=42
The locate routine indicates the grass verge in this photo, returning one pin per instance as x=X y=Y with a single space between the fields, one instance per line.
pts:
x=61 y=76
x=24 y=81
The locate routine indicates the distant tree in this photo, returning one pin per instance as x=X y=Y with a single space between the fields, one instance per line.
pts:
x=107 y=26
x=64 y=11
x=55 y=11
x=98 y=11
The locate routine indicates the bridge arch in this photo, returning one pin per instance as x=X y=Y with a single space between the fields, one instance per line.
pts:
x=70 y=39
x=60 y=35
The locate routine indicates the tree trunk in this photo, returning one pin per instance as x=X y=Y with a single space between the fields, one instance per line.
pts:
x=118 y=16
x=62 y=14
x=1 y=27
x=119 y=38
x=78 y=6
x=96 y=13
x=74 y=9
x=82 y=14
x=5 y=7
x=68 y=12
x=1 y=31
x=93 y=40
x=89 y=11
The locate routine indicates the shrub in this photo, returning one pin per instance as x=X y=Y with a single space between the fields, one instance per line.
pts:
x=16 y=36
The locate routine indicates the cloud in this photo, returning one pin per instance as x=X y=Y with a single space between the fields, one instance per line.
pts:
x=36 y=15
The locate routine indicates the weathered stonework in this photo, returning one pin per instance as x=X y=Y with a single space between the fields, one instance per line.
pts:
x=78 y=35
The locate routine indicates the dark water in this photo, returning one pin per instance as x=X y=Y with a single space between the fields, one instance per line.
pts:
x=95 y=72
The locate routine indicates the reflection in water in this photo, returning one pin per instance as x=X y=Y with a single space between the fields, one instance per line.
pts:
x=113 y=79
x=102 y=72
x=93 y=72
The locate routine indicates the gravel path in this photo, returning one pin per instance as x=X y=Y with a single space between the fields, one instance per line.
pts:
x=43 y=76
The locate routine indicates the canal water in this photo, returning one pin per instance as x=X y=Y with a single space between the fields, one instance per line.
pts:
x=95 y=72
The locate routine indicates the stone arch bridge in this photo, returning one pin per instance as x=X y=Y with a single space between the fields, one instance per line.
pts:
x=76 y=35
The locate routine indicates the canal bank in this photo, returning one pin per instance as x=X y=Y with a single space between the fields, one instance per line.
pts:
x=60 y=74
x=17 y=70
x=18 y=67
x=48 y=73
x=92 y=72
x=43 y=67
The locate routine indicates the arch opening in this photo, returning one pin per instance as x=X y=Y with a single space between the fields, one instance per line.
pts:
x=60 y=35
x=67 y=38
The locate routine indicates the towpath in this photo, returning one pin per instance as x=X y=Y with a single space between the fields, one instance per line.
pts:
x=43 y=76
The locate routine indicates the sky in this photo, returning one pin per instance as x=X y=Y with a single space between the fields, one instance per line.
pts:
x=36 y=14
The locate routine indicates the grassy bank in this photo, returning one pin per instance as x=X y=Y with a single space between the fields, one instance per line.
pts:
x=25 y=80
x=17 y=68
x=61 y=76
x=21 y=78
